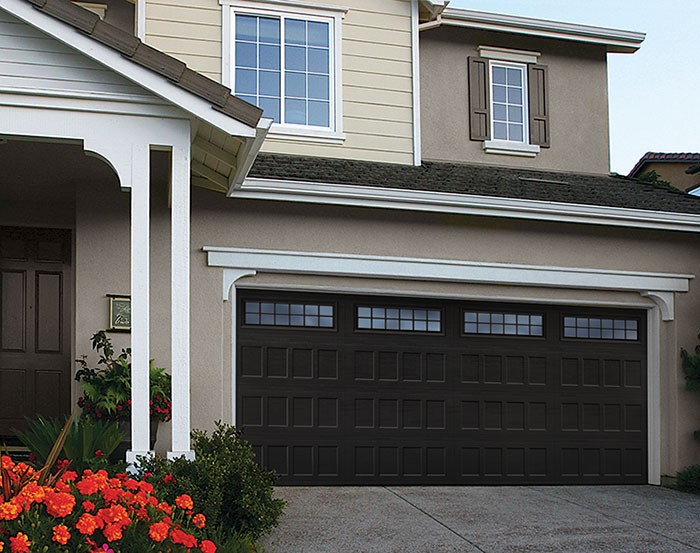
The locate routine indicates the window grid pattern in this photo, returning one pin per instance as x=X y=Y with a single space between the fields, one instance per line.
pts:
x=503 y=324
x=600 y=328
x=401 y=319
x=508 y=106
x=289 y=314
x=283 y=65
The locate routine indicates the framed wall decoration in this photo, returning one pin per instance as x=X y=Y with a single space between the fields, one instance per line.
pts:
x=119 y=313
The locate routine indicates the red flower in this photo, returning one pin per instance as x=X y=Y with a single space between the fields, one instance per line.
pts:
x=99 y=454
x=60 y=534
x=183 y=538
x=184 y=501
x=207 y=547
x=168 y=478
x=159 y=531
x=59 y=504
x=20 y=543
x=199 y=521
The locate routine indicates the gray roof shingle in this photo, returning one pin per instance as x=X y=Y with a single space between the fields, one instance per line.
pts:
x=483 y=180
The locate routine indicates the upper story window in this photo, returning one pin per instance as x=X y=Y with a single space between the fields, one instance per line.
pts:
x=508 y=101
x=285 y=58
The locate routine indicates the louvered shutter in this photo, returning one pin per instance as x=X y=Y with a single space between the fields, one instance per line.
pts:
x=539 y=105
x=479 y=123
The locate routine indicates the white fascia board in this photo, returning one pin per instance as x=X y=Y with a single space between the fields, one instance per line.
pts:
x=464 y=204
x=249 y=151
x=113 y=60
x=444 y=270
x=616 y=40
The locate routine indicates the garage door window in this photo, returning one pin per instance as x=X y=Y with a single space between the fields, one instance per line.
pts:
x=399 y=319
x=503 y=324
x=597 y=328
x=309 y=315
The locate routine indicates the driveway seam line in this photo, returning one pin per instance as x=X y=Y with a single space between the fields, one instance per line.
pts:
x=600 y=512
x=435 y=519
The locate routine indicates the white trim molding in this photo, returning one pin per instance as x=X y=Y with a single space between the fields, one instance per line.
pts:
x=333 y=15
x=615 y=40
x=463 y=204
x=444 y=270
x=239 y=262
x=415 y=76
x=508 y=54
x=511 y=148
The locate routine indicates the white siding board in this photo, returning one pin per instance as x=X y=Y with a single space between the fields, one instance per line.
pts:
x=32 y=60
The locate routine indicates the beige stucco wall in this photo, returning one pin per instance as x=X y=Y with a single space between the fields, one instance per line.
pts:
x=578 y=96
x=218 y=221
x=377 y=92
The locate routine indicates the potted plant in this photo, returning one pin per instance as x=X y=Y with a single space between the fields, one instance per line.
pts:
x=106 y=390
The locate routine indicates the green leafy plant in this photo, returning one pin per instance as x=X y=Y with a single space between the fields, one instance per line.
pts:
x=235 y=493
x=107 y=388
x=87 y=444
x=688 y=480
x=691 y=370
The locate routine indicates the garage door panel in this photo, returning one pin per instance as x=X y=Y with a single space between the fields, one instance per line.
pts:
x=349 y=405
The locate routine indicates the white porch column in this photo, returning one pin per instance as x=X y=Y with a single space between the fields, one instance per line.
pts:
x=180 y=301
x=140 y=343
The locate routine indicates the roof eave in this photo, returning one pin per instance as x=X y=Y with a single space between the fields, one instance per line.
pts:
x=615 y=40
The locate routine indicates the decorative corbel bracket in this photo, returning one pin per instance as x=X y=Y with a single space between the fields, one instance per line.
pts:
x=665 y=301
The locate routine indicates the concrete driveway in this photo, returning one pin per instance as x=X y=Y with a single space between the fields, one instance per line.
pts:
x=582 y=519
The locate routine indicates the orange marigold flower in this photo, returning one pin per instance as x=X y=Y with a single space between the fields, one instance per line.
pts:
x=87 y=524
x=116 y=514
x=7 y=463
x=110 y=495
x=112 y=532
x=69 y=476
x=199 y=521
x=183 y=538
x=131 y=484
x=88 y=506
x=59 y=504
x=20 y=543
x=60 y=534
x=9 y=511
x=158 y=531
x=146 y=487
x=87 y=486
x=2 y=547
x=207 y=547
x=165 y=508
x=184 y=501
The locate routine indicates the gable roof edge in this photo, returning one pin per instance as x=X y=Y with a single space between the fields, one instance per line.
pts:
x=183 y=96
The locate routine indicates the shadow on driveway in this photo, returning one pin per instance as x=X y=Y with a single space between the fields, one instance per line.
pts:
x=585 y=519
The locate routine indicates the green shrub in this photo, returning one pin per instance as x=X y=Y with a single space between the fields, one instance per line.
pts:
x=688 y=480
x=87 y=444
x=234 y=492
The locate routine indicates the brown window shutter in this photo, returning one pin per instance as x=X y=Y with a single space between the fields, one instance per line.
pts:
x=479 y=124
x=539 y=105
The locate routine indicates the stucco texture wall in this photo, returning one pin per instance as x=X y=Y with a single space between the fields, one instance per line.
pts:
x=102 y=247
x=578 y=96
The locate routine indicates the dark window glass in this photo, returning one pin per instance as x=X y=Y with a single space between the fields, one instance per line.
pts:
x=600 y=328
x=289 y=314
x=402 y=319
x=503 y=324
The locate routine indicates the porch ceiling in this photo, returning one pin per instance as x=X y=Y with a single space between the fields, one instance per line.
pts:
x=215 y=159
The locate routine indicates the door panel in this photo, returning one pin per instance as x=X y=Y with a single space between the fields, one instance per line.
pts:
x=35 y=299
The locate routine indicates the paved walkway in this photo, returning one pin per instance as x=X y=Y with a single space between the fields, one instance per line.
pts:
x=582 y=519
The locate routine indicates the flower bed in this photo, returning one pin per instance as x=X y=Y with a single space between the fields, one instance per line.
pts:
x=92 y=513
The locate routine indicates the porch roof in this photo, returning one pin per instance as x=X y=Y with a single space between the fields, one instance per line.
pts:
x=133 y=48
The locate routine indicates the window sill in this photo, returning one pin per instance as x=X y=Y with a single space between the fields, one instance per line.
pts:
x=308 y=134
x=508 y=148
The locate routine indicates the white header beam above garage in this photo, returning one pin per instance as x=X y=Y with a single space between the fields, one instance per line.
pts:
x=658 y=286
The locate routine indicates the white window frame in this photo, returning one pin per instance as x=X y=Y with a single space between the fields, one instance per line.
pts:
x=333 y=15
x=518 y=59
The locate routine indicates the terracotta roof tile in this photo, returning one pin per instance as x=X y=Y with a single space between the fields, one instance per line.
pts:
x=664 y=157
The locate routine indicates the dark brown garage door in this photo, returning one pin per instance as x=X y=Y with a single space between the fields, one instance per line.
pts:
x=375 y=390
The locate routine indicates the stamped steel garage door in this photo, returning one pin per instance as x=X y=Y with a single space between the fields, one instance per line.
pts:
x=375 y=390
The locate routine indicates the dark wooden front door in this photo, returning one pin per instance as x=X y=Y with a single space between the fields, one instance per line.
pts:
x=35 y=354
x=387 y=391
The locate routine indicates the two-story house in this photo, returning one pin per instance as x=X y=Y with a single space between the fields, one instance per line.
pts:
x=408 y=265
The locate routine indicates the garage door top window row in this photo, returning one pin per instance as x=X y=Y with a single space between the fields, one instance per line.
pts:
x=430 y=320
